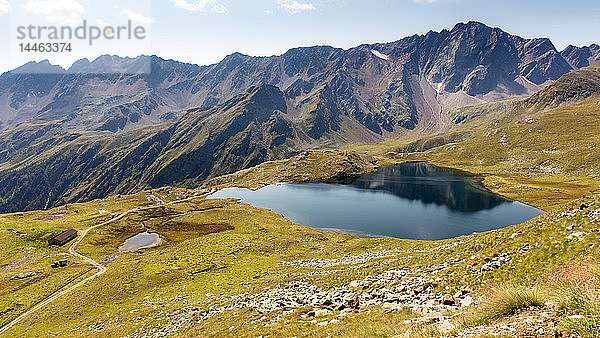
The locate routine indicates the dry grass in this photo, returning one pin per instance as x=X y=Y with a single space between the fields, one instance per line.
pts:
x=577 y=272
x=573 y=289
x=503 y=301
x=422 y=331
x=581 y=306
x=577 y=295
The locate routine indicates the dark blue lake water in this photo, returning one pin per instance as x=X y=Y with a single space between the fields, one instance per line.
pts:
x=410 y=201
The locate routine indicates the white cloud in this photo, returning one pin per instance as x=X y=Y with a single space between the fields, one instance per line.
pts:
x=67 y=12
x=295 y=7
x=425 y=1
x=137 y=17
x=201 y=6
x=268 y=12
x=102 y=22
x=218 y=8
x=5 y=7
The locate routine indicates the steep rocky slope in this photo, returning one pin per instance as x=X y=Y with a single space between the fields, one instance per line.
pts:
x=52 y=165
x=534 y=144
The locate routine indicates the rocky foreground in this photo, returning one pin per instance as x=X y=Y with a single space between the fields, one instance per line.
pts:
x=412 y=289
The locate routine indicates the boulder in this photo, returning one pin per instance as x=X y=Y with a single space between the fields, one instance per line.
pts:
x=449 y=300
x=467 y=301
x=23 y=275
x=446 y=326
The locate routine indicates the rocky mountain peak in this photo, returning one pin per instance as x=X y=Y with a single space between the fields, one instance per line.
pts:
x=41 y=67
x=471 y=27
x=78 y=66
x=260 y=100
x=581 y=57
x=186 y=122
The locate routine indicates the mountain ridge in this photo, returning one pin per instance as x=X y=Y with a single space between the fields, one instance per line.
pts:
x=150 y=122
x=60 y=167
x=386 y=87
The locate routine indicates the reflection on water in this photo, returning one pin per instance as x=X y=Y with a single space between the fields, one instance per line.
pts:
x=412 y=201
x=429 y=184
x=142 y=240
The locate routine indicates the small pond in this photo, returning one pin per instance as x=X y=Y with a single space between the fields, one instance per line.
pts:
x=410 y=201
x=142 y=240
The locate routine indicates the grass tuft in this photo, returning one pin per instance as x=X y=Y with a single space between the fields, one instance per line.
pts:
x=504 y=301
x=578 y=299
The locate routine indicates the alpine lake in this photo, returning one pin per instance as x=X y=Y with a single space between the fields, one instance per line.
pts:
x=408 y=201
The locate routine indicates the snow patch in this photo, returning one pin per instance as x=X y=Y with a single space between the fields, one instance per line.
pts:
x=436 y=86
x=380 y=55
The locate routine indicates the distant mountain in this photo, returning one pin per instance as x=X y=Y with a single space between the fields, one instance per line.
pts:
x=110 y=93
x=382 y=89
x=581 y=57
x=570 y=88
x=116 y=125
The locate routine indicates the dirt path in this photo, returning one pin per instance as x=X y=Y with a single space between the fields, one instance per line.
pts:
x=101 y=268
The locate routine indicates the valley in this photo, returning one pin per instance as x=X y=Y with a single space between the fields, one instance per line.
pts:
x=526 y=129
x=228 y=268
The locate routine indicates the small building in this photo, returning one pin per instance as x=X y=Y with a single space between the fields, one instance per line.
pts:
x=65 y=237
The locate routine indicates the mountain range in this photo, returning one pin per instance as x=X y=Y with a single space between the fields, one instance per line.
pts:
x=117 y=125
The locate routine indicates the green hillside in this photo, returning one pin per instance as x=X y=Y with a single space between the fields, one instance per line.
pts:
x=219 y=253
x=571 y=87
x=227 y=269
x=54 y=165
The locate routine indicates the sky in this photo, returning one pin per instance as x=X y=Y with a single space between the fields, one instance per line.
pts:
x=205 y=31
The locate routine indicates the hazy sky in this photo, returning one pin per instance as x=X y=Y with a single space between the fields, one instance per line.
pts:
x=204 y=31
